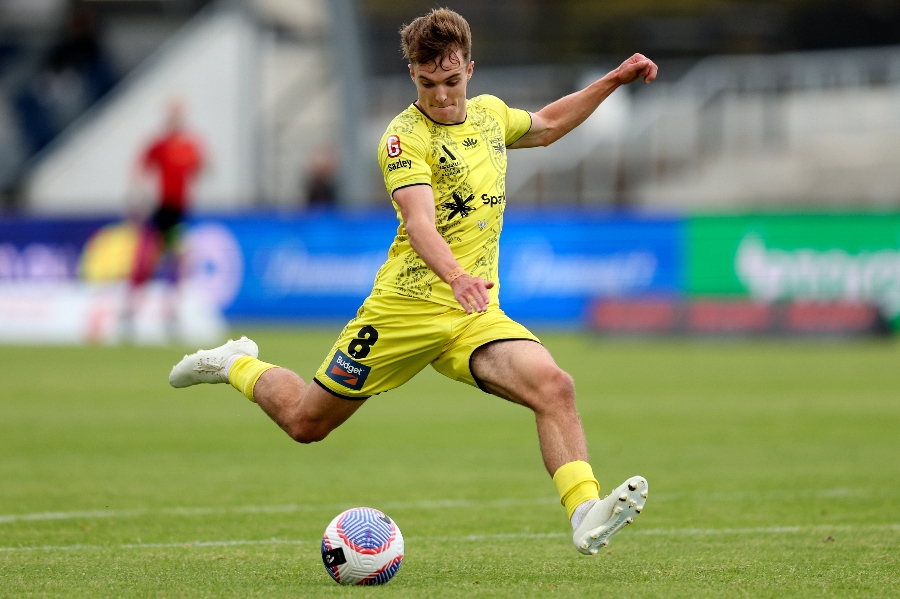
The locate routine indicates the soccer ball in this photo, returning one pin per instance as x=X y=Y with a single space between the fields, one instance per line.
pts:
x=362 y=546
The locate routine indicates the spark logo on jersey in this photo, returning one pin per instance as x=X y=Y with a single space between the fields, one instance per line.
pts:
x=493 y=200
x=346 y=371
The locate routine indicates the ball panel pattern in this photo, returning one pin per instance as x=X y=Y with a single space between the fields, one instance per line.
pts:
x=384 y=574
x=366 y=531
x=362 y=546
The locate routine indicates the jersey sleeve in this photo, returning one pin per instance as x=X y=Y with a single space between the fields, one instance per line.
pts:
x=402 y=158
x=517 y=121
x=151 y=155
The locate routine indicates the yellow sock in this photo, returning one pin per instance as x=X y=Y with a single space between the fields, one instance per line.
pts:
x=576 y=484
x=244 y=373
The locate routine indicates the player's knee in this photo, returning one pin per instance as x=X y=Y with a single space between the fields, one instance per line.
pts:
x=307 y=433
x=558 y=390
x=565 y=386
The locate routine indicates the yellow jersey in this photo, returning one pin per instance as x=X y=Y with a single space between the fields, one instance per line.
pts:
x=465 y=165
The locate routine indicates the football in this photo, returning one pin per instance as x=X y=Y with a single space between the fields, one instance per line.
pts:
x=362 y=546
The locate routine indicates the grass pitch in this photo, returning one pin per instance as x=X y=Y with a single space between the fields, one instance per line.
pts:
x=774 y=471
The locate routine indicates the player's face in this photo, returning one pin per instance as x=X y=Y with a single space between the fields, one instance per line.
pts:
x=442 y=87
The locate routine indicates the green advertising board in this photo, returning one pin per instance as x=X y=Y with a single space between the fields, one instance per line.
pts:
x=854 y=258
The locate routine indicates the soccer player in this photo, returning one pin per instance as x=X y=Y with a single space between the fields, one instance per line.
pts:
x=435 y=299
x=174 y=159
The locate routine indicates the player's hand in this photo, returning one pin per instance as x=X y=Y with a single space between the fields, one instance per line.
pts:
x=636 y=67
x=471 y=293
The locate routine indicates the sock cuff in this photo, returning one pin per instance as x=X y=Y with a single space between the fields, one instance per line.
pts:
x=244 y=373
x=576 y=484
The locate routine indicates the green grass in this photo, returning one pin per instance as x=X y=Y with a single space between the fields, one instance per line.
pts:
x=774 y=471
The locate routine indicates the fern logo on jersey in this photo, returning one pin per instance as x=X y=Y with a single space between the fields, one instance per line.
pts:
x=459 y=205
x=469 y=143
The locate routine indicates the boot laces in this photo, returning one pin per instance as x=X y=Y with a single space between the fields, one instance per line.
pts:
x=212 y=365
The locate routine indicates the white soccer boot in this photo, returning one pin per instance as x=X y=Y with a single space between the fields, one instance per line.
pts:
x=610 y=515
x=208 y=365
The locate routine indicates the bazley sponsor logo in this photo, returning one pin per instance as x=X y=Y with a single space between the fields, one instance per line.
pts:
x=402 y=163
x=346 y=371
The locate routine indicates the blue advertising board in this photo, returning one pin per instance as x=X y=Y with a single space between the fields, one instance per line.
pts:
x=43 y=249
x=554 y=264
x=300 y=266
x=551 y=265
x=321 y=266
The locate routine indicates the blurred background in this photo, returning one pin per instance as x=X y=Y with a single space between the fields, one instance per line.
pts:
x=752 y=190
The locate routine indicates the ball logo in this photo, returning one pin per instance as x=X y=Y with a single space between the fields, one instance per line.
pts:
x=393 y=146
x=335 y=557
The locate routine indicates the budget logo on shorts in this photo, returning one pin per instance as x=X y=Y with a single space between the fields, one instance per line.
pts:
x=346 y=371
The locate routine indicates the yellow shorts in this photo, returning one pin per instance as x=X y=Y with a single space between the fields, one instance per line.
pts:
x=394 y=337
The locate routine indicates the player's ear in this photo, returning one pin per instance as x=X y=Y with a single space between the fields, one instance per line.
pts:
x=412 y=74
x=470 y=69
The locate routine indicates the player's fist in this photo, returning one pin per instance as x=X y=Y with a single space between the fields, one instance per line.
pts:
x=636 y=67
x=471 y=293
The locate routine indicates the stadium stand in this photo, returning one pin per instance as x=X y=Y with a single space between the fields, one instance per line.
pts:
x=736 y=132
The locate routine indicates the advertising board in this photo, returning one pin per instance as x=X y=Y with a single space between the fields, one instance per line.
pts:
x=553 y=265
x=777 y=258
x=323 y=266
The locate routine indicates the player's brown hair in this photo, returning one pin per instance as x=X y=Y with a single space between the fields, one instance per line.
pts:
x=435 y=36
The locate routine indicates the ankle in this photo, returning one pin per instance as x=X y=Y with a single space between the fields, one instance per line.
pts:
x=228 y=364
x=581 y=511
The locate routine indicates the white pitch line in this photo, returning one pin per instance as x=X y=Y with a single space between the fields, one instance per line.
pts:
x=267 y=509
x=236 y=543
x=769 y=530
x=397 y=505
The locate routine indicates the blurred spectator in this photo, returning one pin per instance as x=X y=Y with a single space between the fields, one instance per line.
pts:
x=321 y=187
x=74 y=74
x=174 y=160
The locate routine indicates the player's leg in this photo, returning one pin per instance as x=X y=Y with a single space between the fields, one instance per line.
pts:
x=389 y=341
x=524 y=372
x=306 y=412
x=148 y=250
x=502 y=357
x=171 y=265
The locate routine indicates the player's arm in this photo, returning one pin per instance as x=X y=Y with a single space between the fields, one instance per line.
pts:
x=417 y=210
x=140 y=187
x=556 y=119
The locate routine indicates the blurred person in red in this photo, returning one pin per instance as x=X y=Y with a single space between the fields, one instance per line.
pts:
x=172 y=161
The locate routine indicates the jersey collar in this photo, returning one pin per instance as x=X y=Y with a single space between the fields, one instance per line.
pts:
x=462 y=122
